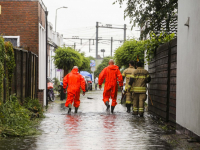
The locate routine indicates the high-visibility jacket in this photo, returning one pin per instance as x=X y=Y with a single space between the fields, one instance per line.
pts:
x=140 y=78
x=112 y=75
x=74 y=81
x=127 y=74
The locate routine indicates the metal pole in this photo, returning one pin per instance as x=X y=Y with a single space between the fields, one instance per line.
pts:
x=56 y=20
x=89 y=45
x=124 y=32
x=97 y=25
x=111 y=45
x=74 y=46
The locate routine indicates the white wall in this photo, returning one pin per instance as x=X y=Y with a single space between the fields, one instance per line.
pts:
x=188 y=66
x=42 y=61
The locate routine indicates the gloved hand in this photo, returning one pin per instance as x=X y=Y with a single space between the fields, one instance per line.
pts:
x=64 y=90
x=83 y=93
x=100 y=86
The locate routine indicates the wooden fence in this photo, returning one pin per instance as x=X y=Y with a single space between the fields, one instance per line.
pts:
x=25 y=78
x=163 y=85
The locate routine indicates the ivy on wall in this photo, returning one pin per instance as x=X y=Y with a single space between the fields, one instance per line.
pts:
x=6 y=56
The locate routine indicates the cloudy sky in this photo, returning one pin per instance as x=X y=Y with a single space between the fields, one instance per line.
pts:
x=80 y=18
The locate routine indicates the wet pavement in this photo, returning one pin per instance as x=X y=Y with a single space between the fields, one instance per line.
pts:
x=91 y=129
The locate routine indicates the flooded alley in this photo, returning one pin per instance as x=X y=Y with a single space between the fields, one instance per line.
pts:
x=91 y=128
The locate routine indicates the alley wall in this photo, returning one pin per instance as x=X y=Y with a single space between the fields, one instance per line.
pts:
x=188 y=66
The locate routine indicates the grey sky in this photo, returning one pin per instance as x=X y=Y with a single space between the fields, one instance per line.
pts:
x=80 y=18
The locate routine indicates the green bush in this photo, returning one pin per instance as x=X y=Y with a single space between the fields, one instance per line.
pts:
x=17 y=120
x=35 y=108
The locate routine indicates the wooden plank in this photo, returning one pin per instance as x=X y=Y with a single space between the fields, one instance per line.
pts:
x=158 y=86
x=173 y=80
x=159 y=80
x=173 y=88
x=172 y=102
x=162 y=100
x=172 y=118
x=172 y=110
x=162 y=61
x=163 y=67
x=173 y=73
x=173 y=95
x=158 y=93
x=160 y=106
x=158 y=112
x=173 y=65
x=162 y=74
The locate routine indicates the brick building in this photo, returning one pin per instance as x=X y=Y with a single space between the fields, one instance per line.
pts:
x=23 y=22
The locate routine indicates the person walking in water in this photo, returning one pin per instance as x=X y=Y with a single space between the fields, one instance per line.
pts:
x=96 y=82
x=73 y=81
x=112 y=75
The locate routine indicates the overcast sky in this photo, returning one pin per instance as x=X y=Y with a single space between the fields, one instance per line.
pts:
x=80 y=18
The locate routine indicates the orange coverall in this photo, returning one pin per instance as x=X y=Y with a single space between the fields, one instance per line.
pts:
x=74 y=81
x=112 y=75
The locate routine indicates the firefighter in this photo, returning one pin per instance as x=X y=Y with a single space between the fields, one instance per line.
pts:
x=111 y=74
x=126 y=74
x=139 y=78
x=74 y=81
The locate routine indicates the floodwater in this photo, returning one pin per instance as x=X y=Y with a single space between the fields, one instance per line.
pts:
x=91 y=129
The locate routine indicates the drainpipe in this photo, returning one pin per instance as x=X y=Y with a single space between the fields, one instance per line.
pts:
x=46 y=12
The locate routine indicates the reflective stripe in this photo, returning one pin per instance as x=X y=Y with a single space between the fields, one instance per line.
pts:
x=139 y=89
x=141 y=77
x=131 y=76
x=147 y=76
x=123 y=74
x=141 y=109
x=128 y=102
x=135 y=109
x=128 y=76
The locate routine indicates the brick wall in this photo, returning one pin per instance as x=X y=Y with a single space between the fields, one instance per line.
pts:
x=40 y=96
x=20 y=18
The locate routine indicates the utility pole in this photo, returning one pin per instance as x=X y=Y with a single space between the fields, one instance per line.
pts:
x=89 y=45
x=124 y=32
x=97 y=26
x=74 y=46
x=111 y=45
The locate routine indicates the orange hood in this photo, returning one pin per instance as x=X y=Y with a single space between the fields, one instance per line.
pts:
x=113 y=67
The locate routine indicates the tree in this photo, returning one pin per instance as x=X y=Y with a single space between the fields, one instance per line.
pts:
x=85 y=63
x=88 y=69
x=103 y=64
x=66 y=57
x=149 y=14
x=130 y=50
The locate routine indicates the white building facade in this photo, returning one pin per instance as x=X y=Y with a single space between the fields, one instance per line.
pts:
x=55 y=40
x=188 y=66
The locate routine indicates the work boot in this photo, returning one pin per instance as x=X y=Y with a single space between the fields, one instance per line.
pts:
x=141 y=115
x=128 y=108
x=69 y=111
x=76 y=109
x=135 y=113
x=112 y=109
x=108 y=106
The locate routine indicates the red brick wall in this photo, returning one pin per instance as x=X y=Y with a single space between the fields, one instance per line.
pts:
x=20 y=18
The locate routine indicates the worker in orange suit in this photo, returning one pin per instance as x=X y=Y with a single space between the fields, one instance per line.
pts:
x=74 y=81
x=111 y=74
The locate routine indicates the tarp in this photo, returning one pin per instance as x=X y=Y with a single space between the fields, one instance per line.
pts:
x=85 y=73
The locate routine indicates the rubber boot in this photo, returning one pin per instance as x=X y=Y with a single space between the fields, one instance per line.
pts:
x=128 y=108
x=69 y=111
x=76 y=109
x=112 y=109
x=108 y=106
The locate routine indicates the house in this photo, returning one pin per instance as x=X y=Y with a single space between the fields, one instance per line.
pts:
x=54 y=40
x=23 y=22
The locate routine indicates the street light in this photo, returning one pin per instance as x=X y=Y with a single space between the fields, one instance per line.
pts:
x=56 y=15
